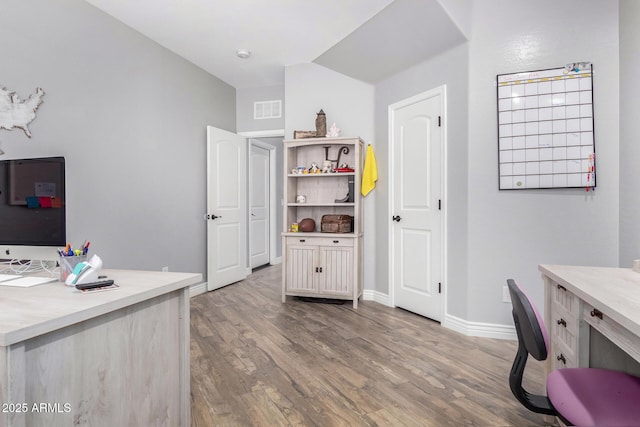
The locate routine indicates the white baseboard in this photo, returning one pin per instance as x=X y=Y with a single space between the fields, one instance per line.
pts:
x=465 y=327
x=276 y=260
x=379 y=297
x=479 y=329
x=197 y=289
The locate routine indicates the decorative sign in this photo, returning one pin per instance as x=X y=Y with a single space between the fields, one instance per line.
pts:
x=545 y=128
x=18 y=113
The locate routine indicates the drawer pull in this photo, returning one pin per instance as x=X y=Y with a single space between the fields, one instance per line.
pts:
x=317 y=270
x=562 y=288
x=302 y=240
x=596 y=313
x=336 y=241
x=562 y=322
x=562 y=359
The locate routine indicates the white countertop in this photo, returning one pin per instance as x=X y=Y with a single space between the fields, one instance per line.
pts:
x=28 y=312
x=614 y=291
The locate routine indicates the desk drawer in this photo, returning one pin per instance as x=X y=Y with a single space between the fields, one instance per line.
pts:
x=562 y=356
x=611 y=329
x=320 y=241
x=564 y=327
x=565 y=299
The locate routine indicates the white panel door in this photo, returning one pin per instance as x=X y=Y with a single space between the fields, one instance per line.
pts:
x=226 y=208
x=417 y=221
x=259 y=205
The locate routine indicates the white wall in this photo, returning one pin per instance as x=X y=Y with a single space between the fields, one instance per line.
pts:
x=347 y=102
x=496 y=235
x=511 y=232
x=129 y=116
x=451 y=69
x=629 y=132
x=461 y=12
x=245 y=99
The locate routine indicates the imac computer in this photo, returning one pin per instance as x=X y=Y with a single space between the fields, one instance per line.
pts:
x=32 y=208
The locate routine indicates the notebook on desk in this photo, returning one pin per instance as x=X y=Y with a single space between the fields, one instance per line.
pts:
x=25 y=281
x=4 y=277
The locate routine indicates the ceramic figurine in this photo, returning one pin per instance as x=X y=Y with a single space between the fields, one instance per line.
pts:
x=327 y=166
x=333 y=131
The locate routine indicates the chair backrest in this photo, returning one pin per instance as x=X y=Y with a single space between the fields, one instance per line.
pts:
x=529 y=322
x=532 y=340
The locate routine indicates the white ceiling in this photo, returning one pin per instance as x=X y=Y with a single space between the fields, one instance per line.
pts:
x=338 y=34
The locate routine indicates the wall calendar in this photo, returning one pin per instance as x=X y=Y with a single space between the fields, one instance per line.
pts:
x=545 y=128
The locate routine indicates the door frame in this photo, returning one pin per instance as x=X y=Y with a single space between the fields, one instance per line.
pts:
x=252 y=137
x=442 y=91
x=272 y=189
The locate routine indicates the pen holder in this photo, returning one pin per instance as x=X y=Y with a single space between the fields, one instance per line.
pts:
x=68 y=264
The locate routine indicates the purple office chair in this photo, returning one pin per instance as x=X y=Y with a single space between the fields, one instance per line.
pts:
x=578 y=396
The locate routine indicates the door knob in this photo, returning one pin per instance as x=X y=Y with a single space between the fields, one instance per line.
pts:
x=213 y=216
x=396 y=218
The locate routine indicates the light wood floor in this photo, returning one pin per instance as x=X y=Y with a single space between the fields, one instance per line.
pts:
x=258 y=362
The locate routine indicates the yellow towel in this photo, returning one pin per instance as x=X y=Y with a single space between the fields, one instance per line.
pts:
x=370 y=173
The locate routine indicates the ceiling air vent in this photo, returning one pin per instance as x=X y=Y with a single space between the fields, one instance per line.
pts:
x=267 y=109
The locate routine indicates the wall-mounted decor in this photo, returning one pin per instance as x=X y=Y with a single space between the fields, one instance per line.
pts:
x=18 y=113
x=545 y=128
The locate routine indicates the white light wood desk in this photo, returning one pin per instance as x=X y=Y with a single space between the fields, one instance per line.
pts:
x=581 y=300
x=117 y=357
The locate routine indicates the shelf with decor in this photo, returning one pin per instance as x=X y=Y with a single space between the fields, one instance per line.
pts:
x=323 y=218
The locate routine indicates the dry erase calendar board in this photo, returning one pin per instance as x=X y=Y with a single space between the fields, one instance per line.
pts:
x=545 y=128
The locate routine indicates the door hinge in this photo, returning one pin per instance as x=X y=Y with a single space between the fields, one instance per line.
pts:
x=439 y=204
x=439 y=121
x=439 y=287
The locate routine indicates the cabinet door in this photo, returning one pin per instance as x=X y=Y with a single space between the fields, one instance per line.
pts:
x=302 y=261
x=337 y=276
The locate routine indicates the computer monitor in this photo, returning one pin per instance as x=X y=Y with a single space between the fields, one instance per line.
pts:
x=32 y=208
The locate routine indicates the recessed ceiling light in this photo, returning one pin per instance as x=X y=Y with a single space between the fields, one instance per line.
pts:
x=243 y=53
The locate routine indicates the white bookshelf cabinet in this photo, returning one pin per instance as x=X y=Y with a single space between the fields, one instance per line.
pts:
x=317 y=264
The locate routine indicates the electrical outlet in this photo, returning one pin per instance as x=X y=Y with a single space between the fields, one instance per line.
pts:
x=506 y=297
x=165 y=269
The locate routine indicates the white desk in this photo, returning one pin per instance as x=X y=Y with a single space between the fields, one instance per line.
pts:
x=117 y=357
x=579 y=299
